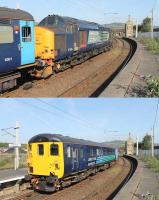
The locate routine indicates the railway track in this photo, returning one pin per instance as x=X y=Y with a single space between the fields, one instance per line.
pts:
x=98 y=76
x=104 y=185
x=102 y=87
x=85 y=80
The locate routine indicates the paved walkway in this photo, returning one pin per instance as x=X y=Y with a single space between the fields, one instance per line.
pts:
x=12 y=174
x=131 y=79
x=143 y=185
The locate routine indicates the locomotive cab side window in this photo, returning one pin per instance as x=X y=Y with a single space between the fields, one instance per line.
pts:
x=69 y=28
x=54 y=150
x=26 y=34
x=6 y=35
x=40 y=149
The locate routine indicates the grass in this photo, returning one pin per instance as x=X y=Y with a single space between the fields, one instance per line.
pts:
x=153 y=87
x=153 y=163
x=151 y=44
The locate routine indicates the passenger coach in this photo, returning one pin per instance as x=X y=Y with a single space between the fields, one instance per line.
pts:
x=17 y=44
x=55 y=161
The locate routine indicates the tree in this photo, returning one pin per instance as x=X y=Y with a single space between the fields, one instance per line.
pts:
x=146 y=25
x=4 y=145
x=147 y=142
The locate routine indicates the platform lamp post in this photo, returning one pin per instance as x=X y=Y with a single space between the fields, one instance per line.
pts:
x=16 y=145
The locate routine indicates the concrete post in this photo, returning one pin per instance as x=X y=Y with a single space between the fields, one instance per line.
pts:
x=136 y=35
x=152 y=21
x=153 y=141
x=17 y=146
x=137 y=146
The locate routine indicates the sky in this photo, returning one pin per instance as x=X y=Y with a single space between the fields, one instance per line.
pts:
x=98 y=120
x=92 y=10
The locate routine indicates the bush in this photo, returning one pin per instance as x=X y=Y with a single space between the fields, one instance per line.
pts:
x=3 y=163
x=153 y=163
x=153 y=87
x=152 y=44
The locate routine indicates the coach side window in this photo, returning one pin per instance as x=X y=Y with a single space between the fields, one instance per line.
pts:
x=26 y=34
x=40 y=149
x=81 y=153
x=6 y=34
x=69 y=152
x=54 y=150
x=91 y=152
x=99 y=152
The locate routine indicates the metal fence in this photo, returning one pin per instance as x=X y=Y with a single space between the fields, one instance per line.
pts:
x=148 y=152
x=148 y=35
x=7 y=161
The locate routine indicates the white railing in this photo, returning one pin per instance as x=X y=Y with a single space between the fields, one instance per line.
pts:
x=148 y=34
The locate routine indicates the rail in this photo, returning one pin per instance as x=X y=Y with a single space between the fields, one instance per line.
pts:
x=133 y=48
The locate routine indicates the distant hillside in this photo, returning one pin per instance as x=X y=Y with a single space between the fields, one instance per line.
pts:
x=115 y=25
x=115 y=143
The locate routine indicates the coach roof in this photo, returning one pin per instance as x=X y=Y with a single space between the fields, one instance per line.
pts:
x=8 y=13
x=65 y=139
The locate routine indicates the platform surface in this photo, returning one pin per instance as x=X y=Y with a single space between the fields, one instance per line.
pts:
x=12 y=174
x=131 y=78
x=143 y=185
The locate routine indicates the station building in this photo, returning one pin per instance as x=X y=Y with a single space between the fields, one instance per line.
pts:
x=130 y=145
x=129 y=29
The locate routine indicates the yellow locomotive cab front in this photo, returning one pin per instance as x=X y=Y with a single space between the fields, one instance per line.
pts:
x=44 y=43
x=45 y=159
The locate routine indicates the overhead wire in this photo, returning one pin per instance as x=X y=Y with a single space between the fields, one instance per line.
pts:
x=73 y=116
x=55 y=114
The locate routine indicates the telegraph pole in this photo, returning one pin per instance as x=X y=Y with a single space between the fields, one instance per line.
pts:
x=153 y=129
x=152 y=23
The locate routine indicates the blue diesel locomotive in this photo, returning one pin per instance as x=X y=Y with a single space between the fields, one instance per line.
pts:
x=56 y=161
x=72 y=42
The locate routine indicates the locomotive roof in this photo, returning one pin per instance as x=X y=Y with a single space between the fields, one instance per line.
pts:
x=51 y=20
x=9 y=13
x=64 y=139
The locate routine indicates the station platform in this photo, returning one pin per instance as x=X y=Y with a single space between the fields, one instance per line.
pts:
x=143 y=185
x=129 y=81
x=12 y=175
